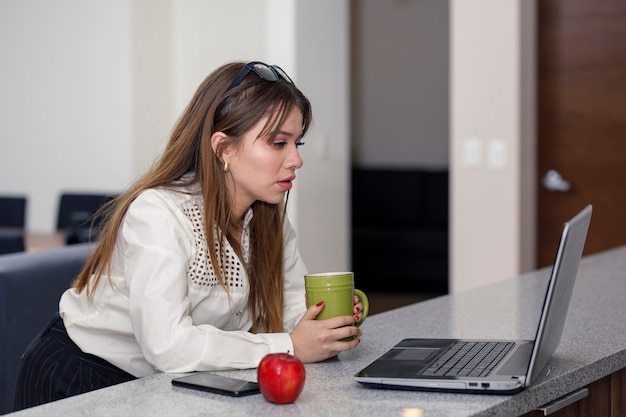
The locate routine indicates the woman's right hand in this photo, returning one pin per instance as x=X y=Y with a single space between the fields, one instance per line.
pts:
x=317 y=340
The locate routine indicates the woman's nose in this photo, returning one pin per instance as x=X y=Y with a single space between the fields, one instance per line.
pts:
x=294 y=161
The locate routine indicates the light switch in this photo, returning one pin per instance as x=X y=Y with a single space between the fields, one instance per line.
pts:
x=496 y=154
x=472 y=152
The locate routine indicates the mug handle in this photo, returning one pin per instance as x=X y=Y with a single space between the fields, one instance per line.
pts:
x=365 y=303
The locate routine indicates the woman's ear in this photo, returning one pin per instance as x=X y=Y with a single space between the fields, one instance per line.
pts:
x=219 y=145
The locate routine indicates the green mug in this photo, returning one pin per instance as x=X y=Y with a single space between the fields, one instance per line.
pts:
x=337 y=291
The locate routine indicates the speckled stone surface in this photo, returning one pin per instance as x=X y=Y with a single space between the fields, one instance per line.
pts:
x=593 y=345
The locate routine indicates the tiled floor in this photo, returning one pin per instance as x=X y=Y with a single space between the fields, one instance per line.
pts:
x=383 y=301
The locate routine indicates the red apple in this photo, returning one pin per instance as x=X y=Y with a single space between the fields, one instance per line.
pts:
x=281 y=377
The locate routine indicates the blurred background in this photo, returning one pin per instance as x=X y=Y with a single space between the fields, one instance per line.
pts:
x=436 y=121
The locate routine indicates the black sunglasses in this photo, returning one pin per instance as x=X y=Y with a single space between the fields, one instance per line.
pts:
x=263 y=70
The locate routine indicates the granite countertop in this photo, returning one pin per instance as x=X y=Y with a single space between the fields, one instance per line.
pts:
x=593 y=346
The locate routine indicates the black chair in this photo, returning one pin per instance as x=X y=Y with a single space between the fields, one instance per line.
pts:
x=12 y=223
x=11 y=241
x=31 y=284
x=77 y=215
x=13 y=211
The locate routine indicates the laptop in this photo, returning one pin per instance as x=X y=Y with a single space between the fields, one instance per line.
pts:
x=487 y=366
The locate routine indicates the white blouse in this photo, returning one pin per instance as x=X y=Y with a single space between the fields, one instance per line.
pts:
x=161 y=309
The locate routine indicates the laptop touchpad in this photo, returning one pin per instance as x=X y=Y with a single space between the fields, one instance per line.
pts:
x=415 y=354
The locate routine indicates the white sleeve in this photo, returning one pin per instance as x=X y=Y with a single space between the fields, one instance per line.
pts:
x=159 y=243
x=294 y=294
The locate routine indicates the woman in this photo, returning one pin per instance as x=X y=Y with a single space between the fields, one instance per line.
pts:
x=196 y=266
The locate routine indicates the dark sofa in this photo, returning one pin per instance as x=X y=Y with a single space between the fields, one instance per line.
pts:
x=31 y=284
x=400 y=229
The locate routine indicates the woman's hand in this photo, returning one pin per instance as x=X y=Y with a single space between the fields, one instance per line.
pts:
x=358 y=308
x=316 y=340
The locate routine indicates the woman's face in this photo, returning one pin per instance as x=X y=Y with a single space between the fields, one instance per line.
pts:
x=262 y=170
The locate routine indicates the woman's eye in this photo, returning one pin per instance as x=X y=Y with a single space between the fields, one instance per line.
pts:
x=282 y=144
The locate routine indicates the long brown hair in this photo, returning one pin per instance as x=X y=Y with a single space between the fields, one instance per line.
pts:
x=233 y=112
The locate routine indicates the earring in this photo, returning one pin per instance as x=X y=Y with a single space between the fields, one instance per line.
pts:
x=225 y=166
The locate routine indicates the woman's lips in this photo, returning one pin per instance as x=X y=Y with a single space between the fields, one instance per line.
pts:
x=287 y=183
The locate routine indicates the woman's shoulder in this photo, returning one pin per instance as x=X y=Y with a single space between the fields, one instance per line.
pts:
x=178 y=193
x=176 y=198
x=164 y=207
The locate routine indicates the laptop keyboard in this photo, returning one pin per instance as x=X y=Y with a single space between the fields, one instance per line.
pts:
x=472 y=359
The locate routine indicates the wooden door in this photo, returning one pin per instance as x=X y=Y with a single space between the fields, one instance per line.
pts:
x=581 y=120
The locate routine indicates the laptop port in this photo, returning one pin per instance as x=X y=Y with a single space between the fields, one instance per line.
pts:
x=473 y=384
x=484 y=384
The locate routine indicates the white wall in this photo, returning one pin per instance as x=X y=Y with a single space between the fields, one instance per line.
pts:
x=492 y=141
x=90 y=91
x=65 y=100
x=153 y=107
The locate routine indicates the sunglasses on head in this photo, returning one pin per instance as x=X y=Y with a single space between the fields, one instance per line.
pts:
x=264 y=71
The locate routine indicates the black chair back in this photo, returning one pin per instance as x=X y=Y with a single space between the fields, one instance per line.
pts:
x=77 y=215
x=11 y=241
x=13 y=211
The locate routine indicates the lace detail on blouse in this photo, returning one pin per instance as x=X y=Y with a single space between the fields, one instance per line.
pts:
x=201 y=271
